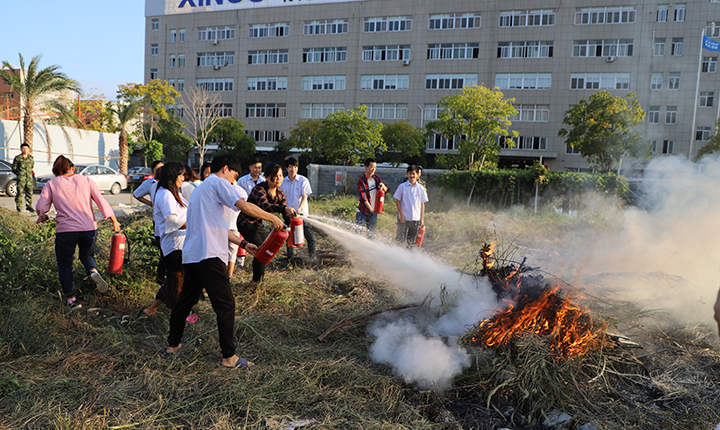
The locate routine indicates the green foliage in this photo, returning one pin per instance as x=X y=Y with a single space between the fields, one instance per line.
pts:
x=229 y=134
x=149 y=151
x=479 y=115
x=175 y=143
x=601 y=129
x=155 y=98
x=403 y=142
x=305 y=136
x=711 y=146
x=348 y=137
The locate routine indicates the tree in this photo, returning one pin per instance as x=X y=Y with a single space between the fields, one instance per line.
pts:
x=176 y=144
x=403 y=141
x=348 y=137
x=600 y=128
x=304 y=136
x=229 y=134
x=125 y=112
x=477 y=117
x=37 y=89
x=711 y=146
x=96 y=113
x=202 y=112
x=155 y=97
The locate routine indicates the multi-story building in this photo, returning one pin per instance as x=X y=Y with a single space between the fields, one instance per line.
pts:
x=275 y=62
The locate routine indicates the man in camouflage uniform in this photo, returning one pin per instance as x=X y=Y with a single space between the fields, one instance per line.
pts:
x=22 y=167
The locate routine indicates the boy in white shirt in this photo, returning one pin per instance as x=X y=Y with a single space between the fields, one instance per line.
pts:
x=410 y=199
x=205 y=255
x=297 y=189
x=253 y=178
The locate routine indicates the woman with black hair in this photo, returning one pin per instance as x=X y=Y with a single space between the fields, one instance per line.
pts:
x=191 y=182
x=269 y=197
x=170 y=208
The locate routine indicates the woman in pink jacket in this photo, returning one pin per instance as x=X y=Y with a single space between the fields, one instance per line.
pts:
x=72 y=195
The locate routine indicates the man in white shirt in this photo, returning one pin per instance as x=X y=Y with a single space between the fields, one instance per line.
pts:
x=253 y=178
x=410 y=198
x=205 y=255
x=297 y=189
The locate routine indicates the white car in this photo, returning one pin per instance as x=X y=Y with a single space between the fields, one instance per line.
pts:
x=107 y=179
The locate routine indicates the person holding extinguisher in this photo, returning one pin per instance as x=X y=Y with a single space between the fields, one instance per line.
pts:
x=368 y=186
x=410 y=198
x=269 y=197
x=72 y=195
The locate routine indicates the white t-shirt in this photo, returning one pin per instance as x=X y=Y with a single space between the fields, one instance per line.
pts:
x=145 y=188
x=207 y=220
x=294 y=191
x=372 y=191
x=247 y=183
x=411 y=197
x=234 y=211
x=188 y=187
x=166 y=205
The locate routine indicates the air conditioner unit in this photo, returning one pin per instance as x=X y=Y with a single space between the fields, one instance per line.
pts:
x=610 y=59
x=214 y=42
x=406 y=62
x=216 y=67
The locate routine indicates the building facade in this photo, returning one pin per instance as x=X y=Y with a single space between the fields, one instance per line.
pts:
x=275 y=62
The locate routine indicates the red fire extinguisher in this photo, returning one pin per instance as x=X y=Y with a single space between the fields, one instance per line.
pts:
x=241 y=252
x=379 y=200
x=420 y=235
x=297 y=234
x=271 y=246
x=117 y=254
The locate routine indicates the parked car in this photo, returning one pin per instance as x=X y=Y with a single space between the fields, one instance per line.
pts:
x=139 y=176
x=107 y=179
x=8 y=180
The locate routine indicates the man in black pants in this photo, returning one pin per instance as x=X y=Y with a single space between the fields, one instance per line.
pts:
x=205 y=255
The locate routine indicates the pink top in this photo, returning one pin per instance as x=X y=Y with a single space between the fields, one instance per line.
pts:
x=73 y=196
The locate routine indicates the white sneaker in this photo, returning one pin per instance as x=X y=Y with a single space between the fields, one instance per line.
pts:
x=100 y=283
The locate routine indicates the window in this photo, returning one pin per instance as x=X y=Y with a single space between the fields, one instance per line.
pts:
x=707 y=98
x=605 y=15
x=386 y=111
x=603 y=48
x=602 y=81
x=677 y=46
x=171 y=82
x=671 y=115
x=326 y=26
x=453 y=51
x=656 y=81
x=271 y=56
x=437 y=141
x=525 y=49
x=450 y=82
x=266 y=135
x=386 y=53
x=181 y=60
x=276 y=29
x=155 y=24
x=526 y=18
x=153 y=74
x=216 y=33
x=181 y=35
x=653 y=115
x=265 y=110
x=154 y=49
x=216 y=84
x=180 y=86
x=319 y=83
x=653 y=146
x=172 y=61
x=569 y=149
x=221 y=109
x=712 y=30
x=430 y=113
x=219 y=59
x=451 y=21
x=319 y=110
x=173 y=36
x=709 y=64
x=324 y=55
x=668 y=147
x=523 y=81
x=702 y=133
x=275 y=83
x=659 y=47
x=385 y=82
x=679 y=12
x=674 y=81
x=536 y=143
x=532 y=113
x=662 y=13
x=382 y=24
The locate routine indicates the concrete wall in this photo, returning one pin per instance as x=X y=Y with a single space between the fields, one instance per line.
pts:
x=81 y=146
x=340 y=179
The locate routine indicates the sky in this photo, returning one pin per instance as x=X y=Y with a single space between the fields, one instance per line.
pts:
x=99 y=43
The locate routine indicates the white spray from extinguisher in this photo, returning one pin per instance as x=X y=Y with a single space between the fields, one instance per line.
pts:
x=415 y=347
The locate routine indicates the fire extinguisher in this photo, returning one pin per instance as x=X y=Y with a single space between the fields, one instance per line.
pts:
x=379 y=200
x=271 y=246
x=241 y=252
x=297 y=234
x=420 y=235
x=117 y=253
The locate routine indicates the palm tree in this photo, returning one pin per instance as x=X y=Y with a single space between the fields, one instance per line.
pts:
x=125 y=113
x=36 y=88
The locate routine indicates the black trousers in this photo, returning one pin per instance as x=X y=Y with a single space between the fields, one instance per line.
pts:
x=212 y=275
x=254 y=234
x=406 y=233
x=169 y=293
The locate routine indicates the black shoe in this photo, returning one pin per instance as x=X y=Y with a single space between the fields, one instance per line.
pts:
x=30 y=210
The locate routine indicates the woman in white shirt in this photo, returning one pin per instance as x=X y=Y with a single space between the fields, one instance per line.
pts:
x=191 y=182
x=170 y=209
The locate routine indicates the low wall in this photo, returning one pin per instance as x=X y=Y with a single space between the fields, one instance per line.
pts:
x=343 y=179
